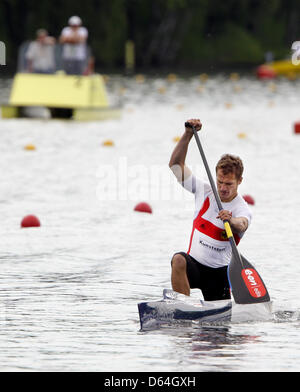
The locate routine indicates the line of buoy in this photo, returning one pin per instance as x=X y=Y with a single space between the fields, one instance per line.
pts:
x=31 y=221
x=172 y=77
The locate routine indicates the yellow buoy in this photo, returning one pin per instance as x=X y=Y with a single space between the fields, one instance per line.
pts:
x=242 y=135
x=200 y=89
x=108 y=143
x=30 y=147
x=140 y=78
x=176 y=139
x=237 y=89
x=162 y=90
x=203 y=77
x=228 y=105
x=234 y=76
x=172 y=78
x=179 y=106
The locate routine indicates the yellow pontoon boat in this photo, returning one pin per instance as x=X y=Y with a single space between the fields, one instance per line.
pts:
x=81 y=98
x=279 y=68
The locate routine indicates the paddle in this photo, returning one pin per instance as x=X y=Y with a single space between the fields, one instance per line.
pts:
x=246 y=284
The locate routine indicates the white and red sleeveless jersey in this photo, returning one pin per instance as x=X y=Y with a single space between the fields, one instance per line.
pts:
x=209 y=244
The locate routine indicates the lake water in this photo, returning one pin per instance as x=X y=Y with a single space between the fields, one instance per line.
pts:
x=70 y=289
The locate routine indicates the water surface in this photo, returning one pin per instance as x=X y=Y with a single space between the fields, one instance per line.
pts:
x=69 y=289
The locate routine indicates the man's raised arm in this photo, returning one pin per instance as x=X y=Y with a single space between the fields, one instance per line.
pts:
x=177 y=161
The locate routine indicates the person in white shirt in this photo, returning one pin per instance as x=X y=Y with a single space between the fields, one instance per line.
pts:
x=74 y=55
x=40 y=56
x=204 y=265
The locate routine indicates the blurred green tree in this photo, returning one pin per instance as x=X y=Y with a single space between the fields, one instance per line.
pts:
x=166 y=32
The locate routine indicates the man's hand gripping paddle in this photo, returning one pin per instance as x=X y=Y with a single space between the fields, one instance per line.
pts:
x=246 y=284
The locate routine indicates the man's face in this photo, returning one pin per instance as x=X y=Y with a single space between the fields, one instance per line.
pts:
x=227 y=185
x=42 y=37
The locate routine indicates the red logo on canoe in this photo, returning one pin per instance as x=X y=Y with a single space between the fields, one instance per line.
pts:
x=253 y=282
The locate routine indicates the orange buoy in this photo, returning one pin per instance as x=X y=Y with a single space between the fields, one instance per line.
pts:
x=172 y=78
x=162 y=90
x=249 y=199
x=297 y=127
x=143 y=207
x=30 y=221
x=242 y=135
x=108 y=143
x=140 y=78
x=30 y=147
x=179 y=106
x=203 y=77
x=234 y=76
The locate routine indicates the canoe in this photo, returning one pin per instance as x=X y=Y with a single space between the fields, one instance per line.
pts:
x=178 y=308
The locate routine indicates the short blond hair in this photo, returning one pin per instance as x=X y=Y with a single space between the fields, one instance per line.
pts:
x=231 y=164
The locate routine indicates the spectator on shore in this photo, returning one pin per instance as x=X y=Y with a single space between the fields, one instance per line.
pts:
x=40 y=54
x=74 y=55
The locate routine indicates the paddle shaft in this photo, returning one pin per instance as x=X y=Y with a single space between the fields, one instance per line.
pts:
x=217 y=197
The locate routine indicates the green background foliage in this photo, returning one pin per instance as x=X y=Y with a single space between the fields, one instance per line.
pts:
x=166 y=33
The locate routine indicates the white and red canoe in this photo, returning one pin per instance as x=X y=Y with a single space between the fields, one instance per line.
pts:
x=175 y=307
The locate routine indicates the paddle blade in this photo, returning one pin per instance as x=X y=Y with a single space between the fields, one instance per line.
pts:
x=246 y=284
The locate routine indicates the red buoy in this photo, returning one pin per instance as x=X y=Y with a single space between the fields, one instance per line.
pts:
x=249 y=199
x=143 y=207
x=265 y=72
x=30 y=221
x=297 y=127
